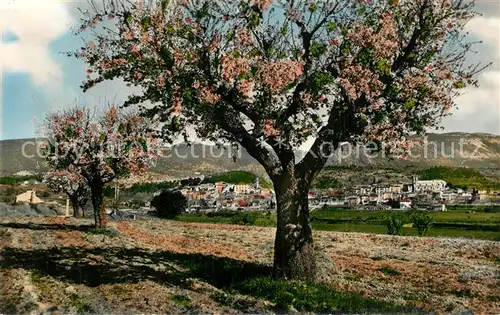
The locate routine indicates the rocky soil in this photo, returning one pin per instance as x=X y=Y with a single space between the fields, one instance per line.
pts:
x=59 y=265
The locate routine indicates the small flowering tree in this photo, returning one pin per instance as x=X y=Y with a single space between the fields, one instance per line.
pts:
x=73 y=184
x=96 y=150
x=270 y=75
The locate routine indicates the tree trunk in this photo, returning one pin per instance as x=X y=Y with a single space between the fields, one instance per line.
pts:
x=293 y=247
x=96 y=190
x=76 y=207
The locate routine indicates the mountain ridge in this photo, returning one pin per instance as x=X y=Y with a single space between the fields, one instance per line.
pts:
x=455 y=149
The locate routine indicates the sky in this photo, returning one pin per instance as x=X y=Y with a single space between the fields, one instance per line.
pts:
x=37 y=77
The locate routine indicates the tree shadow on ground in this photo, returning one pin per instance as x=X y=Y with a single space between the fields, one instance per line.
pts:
x=46 y=226
x=96 y=266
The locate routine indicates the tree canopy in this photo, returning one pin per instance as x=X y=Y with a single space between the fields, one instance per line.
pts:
x=274 y=73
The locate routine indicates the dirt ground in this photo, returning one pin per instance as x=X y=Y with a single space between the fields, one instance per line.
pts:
x=57 y=265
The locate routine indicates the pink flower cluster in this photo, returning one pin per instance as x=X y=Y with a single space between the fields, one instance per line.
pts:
x=279 y=74
x=111 y=64
x=244 y=37
x=384 y=42
x=232 y=67
x=269 y=128
x=262 y=4
x=358 y=81
x=245 y=87
x=68 y=180
x=208 y=95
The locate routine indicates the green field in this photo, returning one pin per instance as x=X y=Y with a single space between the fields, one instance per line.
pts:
x=466 y=217
x=479 y=225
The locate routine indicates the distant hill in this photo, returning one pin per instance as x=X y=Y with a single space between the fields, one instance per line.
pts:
x=479 y=151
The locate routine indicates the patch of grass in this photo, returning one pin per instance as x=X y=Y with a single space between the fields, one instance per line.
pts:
x=81 y=306
x=120 y=291
x=182 y=300
x=466 y=293
x=40 y=282
x=380 y=257
x=222 y=298
x=493 y=298
x=389 y=271
x=307 y=297
x=107 y=232
x=5 y=235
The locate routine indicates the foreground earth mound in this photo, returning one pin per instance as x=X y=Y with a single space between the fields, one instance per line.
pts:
x=62 y=265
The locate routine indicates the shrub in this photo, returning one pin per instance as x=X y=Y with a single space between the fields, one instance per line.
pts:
x=169 y=204
x=243 y=219
x=395 y=222
x=422 y=222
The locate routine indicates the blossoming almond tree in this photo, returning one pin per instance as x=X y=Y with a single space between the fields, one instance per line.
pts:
x=272 y=74
x=72 y=184
x=98 y=149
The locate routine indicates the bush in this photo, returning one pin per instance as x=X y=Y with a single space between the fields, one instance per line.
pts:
x=169 y=204
x=244 y=219
x=395 y=222
x=422 y=222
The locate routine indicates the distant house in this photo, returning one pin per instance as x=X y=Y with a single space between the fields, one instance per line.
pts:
x=28 y=197
x=352 y=200
x=242 y=189
x=405 y=203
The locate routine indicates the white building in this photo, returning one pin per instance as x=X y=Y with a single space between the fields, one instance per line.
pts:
x=436 y=185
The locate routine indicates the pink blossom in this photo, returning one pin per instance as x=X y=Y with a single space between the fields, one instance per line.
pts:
x=208 y=96
x=245 y=87
x=277 y=75
x=128 y=35
x=269 y=129
x=160 y=81
x=135 y=49
x=233 y=67
x=92 y=45
x=244 y=37
x=262 y=5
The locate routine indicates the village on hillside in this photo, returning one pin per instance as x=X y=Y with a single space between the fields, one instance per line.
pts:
x=419 y=194
x=212 y=197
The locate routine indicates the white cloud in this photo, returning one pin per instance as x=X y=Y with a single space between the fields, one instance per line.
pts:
x=36 y=23
x=479 y=108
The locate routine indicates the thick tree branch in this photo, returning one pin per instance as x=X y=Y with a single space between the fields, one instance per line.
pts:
x=229 y=123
